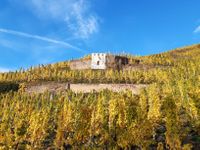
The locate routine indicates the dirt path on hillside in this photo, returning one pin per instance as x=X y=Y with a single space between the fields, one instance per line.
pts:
x=85 y=88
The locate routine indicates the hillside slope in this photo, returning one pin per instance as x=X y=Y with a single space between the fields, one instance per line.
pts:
x=165 y=115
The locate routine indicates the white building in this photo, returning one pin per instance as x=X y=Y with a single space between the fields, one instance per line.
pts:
x=98 y=61
x=105 y=61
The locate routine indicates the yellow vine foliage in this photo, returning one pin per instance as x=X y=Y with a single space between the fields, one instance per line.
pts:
x=165 y=115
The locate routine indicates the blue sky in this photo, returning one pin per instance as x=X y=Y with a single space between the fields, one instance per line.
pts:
x=36 y=32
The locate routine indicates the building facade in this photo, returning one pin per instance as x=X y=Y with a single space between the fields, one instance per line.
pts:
x=100 y=61
x=106 y=61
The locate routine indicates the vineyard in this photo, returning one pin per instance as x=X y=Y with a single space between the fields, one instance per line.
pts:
x=164 y=115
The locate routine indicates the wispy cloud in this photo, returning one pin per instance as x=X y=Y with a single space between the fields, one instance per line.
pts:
x=77 y=14
x=197 y=30
x=18 y=33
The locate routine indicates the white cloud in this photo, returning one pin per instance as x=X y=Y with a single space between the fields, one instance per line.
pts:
x=77 y=15
x=39 y=38
x=197 y=30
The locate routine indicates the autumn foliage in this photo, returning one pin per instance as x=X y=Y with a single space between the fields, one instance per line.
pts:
x=165 y=115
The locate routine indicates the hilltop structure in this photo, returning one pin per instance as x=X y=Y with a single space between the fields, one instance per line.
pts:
x=100 y=61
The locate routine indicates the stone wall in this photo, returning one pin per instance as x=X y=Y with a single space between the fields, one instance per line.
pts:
x=116 y=62
x=80 y=64
x=54 y=87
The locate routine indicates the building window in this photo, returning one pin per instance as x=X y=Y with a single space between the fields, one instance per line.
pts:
x=97 y=62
